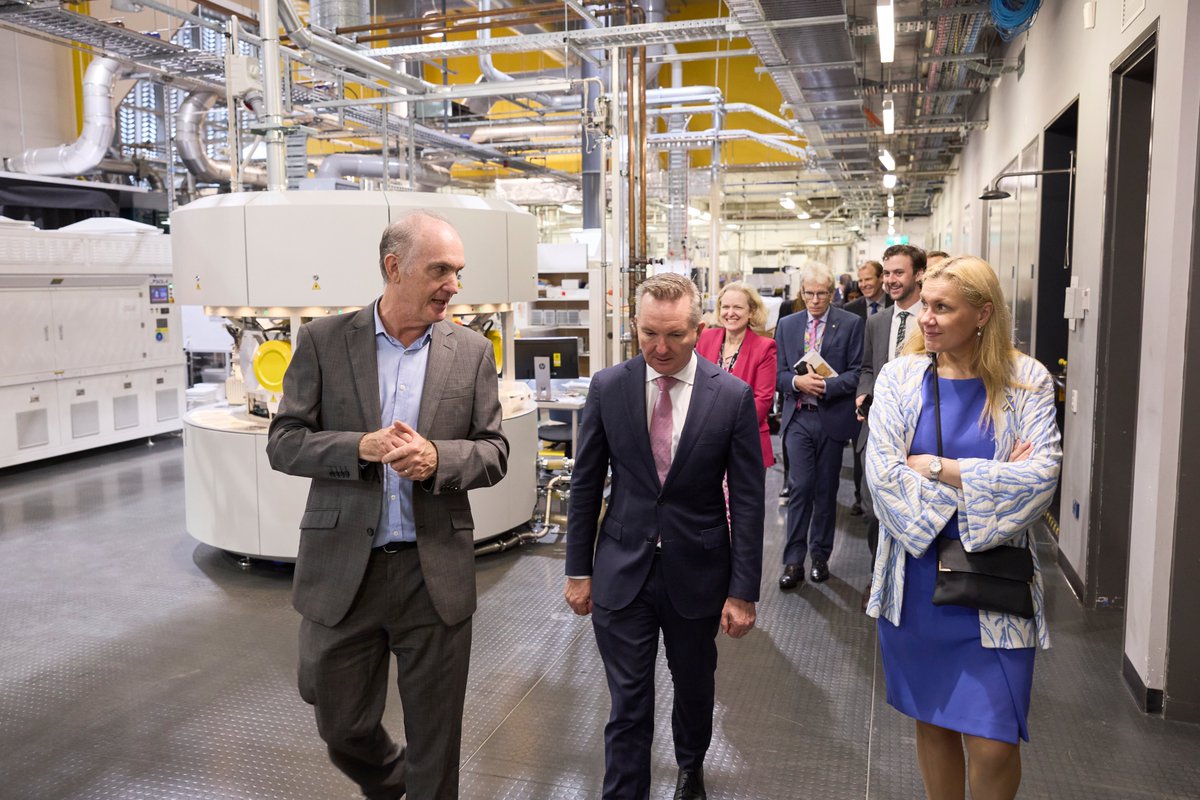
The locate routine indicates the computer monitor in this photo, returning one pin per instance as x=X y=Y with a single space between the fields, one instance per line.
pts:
x=563 y=352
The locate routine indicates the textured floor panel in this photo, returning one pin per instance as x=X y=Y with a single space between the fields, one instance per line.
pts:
x=140 y=664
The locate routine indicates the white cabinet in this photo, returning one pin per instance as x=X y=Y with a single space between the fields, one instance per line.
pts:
x=28 y=333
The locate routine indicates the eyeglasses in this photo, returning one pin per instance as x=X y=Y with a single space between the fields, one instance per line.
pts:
x=815 y=295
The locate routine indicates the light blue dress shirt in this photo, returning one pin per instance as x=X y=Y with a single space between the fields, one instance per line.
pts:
x=401 y=382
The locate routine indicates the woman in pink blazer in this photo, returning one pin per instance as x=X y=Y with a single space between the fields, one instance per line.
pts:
x=736 y=348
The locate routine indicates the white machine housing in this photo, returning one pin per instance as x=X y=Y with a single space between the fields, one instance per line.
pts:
x=310 y=254
x=92 y=351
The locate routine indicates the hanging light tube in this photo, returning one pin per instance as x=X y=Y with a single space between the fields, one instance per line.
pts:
x=891 y=201
x=889 y=115
x=787 y=202
x=886 y=159
x=889 y=180
x=886 y=18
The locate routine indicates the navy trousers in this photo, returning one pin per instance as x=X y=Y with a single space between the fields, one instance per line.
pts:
x=814 y=464
x=628 y=642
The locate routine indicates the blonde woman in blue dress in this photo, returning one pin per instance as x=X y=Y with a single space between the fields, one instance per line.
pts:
x=963 y=674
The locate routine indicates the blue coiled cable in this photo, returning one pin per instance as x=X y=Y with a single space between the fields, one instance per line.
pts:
x=1013 y=17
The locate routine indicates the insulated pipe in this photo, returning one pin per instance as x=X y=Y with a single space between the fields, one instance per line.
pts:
x=522 y=132
x=89 y=149
x=353 y=59
x=352 y=165
x=189 y=127
x=272 y=78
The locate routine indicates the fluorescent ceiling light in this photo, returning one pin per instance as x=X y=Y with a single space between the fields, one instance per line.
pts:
x=572 y=208
x=732 y=226
x=814 y=225
x=886 y=17
x=787 y=202
x=889 y=180
x=694 y=212
x=889 y=115
x=886 y=159
x=891 y=201
x=706 y=217
x=891 y=230
x=891 y=213
x=803 y=215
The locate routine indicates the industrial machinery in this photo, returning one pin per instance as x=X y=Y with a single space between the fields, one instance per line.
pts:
x=268 y=262
x=92 y=347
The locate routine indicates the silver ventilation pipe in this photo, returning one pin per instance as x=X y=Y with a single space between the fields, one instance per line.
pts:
x=189 y=140
x=351 y=165
x=345 y=56
x=334 y=14
x=524 y=131
x=89 y=149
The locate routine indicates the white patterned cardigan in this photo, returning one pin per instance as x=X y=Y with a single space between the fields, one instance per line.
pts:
x=997 y=505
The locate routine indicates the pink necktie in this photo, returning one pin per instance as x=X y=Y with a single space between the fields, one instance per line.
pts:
x=661 y=427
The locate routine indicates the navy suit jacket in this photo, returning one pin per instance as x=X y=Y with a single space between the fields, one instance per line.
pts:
x=707 y=556
x=842 y=347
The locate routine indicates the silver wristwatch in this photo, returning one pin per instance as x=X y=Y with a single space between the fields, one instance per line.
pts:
x=935 y=468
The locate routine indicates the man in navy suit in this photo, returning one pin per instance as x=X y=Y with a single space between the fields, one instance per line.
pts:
x=818 y=419
x=671 y=426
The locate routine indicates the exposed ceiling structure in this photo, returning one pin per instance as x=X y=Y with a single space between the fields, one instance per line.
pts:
x=803 y=137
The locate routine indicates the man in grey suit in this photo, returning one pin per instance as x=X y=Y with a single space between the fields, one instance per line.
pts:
x=393 y=412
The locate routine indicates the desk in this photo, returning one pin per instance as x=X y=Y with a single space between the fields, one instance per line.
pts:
x=565 y=402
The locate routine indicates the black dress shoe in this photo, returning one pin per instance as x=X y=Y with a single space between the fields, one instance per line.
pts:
x=819 y=572
x=690 y=785
x=793 y=576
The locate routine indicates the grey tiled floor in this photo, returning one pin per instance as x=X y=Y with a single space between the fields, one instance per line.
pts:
x=138 y=663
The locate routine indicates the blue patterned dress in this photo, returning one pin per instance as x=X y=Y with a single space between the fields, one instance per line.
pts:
x=937 y=670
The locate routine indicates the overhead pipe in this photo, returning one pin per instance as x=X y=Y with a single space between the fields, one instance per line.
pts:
x=522 y=132
x=345 y=56
x=353 y=165
x=90 y=148
x=189 y=141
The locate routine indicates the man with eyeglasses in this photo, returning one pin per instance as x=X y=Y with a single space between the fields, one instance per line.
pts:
x=818 y=419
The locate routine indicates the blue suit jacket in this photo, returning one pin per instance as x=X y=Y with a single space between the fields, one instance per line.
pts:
x=842 y=347
x=706 y=555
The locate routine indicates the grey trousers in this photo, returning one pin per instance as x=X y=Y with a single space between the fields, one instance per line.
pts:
x=343 y=674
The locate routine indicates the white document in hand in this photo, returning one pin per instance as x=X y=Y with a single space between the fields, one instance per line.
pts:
x=818 y=364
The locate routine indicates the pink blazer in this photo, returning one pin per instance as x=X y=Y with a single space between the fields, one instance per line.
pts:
x=756 y=366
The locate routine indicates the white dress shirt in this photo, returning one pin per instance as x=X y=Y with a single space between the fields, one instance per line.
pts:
x=914 y=311
x=681 y=398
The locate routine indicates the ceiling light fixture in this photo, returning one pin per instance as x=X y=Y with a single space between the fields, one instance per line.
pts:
x=891 y=203
x=891 y=230
x=889 y=115
x=889 y=180
x=816 y=226
x=572 y=208
x=886 y=159
x=885 y=15
x=787 y=202
x=803 y=215
x=891 y=213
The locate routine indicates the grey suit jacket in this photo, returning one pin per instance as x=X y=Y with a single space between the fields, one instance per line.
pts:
x=330 y=399
x=876 y=351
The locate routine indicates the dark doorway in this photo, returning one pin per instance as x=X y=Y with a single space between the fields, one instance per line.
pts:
x=1054 y=257
x=1120 y=334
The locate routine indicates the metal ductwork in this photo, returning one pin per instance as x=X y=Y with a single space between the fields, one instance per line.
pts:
x=523 y=131
x=349 y=165
x=334 y=14
x=189 y=139
x=86 y=152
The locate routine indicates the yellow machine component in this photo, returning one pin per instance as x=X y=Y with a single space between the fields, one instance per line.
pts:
x=271 y=361
x=497 y=347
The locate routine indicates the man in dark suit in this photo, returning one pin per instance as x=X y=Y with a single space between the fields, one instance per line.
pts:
x=903 y=269
x=670 y=425
x=393 y=413
x=874 y=300
x=818 y=419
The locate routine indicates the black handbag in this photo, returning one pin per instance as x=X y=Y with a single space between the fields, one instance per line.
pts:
x=999 y=580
